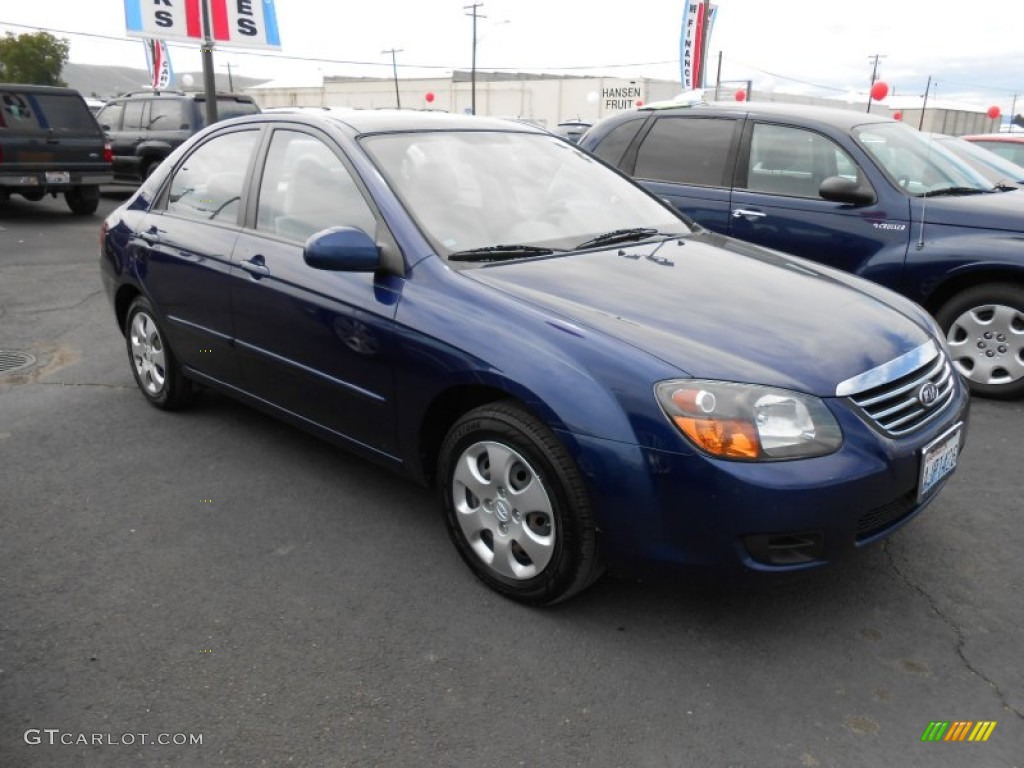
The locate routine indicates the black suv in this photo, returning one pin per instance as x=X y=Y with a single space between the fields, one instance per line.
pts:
x=146 y=127
x=51 y=144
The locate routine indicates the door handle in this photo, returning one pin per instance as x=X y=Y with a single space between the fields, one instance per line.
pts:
x=256 y=266
x=740 y=213
x=151 y=236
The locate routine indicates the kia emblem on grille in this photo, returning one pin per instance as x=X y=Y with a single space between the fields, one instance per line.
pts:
x=928 y=394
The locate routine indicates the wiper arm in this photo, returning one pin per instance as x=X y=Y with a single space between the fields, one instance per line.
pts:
x=950 y=191
x=618 y=236
x=500 y=253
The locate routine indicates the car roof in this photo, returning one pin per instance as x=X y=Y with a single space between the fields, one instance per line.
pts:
x=25 y=88
x=835 y=117
x=397 y=120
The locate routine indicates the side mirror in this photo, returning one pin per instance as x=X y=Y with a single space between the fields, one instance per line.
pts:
x=842 y=190
x=342 y=249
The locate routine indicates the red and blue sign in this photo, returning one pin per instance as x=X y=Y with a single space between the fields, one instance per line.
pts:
x=237 y=23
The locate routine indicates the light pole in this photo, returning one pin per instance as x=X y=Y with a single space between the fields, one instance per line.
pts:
x=472 y=72
x=394 y=70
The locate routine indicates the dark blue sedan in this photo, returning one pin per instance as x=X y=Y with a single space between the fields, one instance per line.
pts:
x=587 y=380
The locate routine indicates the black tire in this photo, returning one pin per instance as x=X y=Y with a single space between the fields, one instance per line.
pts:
x=984 y=327
x=555 y=522
x=83 y=201
x=153 y=363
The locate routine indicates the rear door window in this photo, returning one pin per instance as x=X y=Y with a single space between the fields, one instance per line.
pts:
x=166 y=115
x=688 y=150
x=133 y=111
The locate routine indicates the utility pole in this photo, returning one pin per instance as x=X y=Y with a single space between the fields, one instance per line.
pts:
x=209 y=79
x=472 y=75
x=394 y=70
x=924 y=104
x=874 y=75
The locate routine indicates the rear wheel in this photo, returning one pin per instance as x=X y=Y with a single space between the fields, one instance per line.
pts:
x=83 y=201
x=153 y=363
x=984 y=328
x=516 y=506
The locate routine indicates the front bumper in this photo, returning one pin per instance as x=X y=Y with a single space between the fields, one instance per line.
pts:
x=38 y=182
x=661 y=510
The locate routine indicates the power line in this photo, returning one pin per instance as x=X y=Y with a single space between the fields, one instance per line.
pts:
x=318 y=60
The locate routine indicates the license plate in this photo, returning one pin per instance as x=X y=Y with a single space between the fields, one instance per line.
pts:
x=58 y=177
x=938 y=459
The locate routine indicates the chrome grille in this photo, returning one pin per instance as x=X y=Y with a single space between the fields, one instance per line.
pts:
x=895 y=407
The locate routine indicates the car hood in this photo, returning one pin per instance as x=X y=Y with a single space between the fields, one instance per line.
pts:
x=717 y=308
x=992 y=210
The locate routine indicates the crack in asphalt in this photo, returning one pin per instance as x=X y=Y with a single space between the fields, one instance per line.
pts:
x=55 y=309
x=960 y=637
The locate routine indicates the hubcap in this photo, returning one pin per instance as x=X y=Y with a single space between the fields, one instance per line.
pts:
x=148 y=353
x=987 y=343
x=504 y=510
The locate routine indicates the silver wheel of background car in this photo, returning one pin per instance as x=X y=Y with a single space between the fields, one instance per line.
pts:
x=987 y=343
x=504 y=510
x=148 y=353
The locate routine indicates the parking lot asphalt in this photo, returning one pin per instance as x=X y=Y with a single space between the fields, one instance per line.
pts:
x=215 y=573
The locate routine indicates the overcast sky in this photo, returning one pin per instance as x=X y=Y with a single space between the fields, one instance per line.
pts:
x=972 y=50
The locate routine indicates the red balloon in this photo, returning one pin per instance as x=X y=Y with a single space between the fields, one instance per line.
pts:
x=639 y=103
x=741 y=95
x=879 y=90
x=994 y=112
x=897 y=115
x=429 y=97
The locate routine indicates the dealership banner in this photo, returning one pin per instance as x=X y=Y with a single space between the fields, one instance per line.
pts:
x=696 y=29
x=237 y=23
x=159 y=60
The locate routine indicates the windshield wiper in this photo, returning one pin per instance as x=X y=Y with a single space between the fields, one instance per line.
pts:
x=500 y=253
x=950 y=191
x=619 y=236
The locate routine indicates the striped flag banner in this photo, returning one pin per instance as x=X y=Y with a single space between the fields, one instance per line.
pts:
x=159 y=60
x=239 y=23
x=696 y=29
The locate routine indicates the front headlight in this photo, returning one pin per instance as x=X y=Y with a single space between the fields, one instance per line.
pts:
x=748 y=422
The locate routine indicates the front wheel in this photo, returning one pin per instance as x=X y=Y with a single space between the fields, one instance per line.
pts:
x=153 y=363
x=516 y=507
x=984 y=328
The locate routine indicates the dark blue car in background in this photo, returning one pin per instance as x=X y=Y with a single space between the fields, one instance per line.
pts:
x=859 y=192
x=588 y=381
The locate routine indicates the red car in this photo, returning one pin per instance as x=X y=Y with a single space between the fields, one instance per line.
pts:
x=1008 y=145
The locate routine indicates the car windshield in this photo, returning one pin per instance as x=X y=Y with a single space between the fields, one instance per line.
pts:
x=514 y=194
x=990 y=165
x=920 y=166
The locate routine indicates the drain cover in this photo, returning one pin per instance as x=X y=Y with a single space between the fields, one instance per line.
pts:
x=15 y=361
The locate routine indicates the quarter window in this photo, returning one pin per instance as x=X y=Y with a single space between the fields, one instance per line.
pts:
x=306 y=189
x=614 y=145
x=687 y=150
x=209 y=183
x=109 y=117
